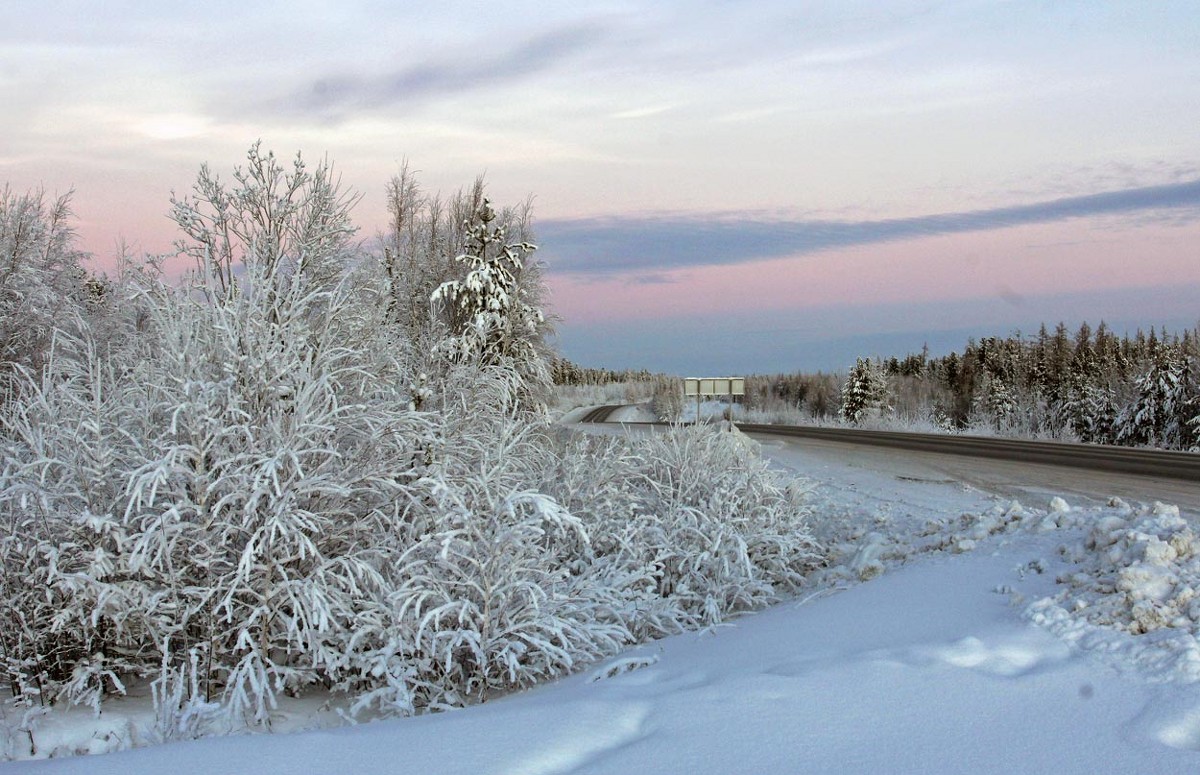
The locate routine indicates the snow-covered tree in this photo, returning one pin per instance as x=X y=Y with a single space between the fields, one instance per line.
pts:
x=416 y=259
x=42 y=281
x=865 y=392
x=287 y=220
x=1159 y=413
x=491 y=312
x=994 y=403
x=1089 y=411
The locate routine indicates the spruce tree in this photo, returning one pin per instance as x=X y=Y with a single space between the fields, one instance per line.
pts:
x=865 y=392
x=1156 y=416
x=492 y=312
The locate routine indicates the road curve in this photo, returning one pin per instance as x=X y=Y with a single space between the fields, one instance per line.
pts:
x=1095 y=457
x=600 y=413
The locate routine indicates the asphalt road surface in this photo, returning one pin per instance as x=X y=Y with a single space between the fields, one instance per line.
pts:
x=1015 y=478
x=1160 y=464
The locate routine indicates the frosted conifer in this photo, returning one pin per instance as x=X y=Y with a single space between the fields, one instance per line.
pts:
x=865 y=392
x=491 y=316
x=1156 y=416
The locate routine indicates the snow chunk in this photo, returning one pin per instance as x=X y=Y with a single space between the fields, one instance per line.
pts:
x=866 y=563
x=1136 y=577
x=1047 y=524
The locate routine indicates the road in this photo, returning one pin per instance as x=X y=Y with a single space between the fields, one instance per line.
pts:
x=600 y=413
x=1006 y=467
x=1030 y=483
x=1094 y=457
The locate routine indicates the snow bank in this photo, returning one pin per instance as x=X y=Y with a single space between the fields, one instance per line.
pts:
x=860 y=550
x=633 y=413
x=1131 y=589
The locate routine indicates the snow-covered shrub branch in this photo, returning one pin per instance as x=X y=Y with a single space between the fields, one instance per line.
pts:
x=690 y=523
x=272 y=215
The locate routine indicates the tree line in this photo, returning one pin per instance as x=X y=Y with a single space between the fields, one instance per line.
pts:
x=1091 y=385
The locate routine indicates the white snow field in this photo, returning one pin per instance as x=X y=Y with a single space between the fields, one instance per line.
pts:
x=969 y=623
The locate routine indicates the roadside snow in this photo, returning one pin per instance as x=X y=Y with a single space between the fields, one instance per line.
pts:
x=1131 y=573
x=712 y=409
x=633 y=413
x=955 y=630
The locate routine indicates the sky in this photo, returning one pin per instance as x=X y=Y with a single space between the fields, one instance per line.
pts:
x=719 y=187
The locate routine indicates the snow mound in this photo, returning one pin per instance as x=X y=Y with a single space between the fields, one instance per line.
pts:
x=860 y=550
x=1132 y=574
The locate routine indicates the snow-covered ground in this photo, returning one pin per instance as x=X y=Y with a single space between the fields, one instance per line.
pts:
x=712 y=409
x=969 y=622
x=633 y=413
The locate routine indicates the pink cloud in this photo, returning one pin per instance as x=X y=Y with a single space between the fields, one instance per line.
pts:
x=1070 y=256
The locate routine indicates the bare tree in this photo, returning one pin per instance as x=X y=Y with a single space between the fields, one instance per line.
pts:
x=42 y=280
x=298 y=218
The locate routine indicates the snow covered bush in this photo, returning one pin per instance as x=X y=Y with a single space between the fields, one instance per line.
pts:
x=243 y=486
x=666 y=400
x=481 y=598
x=490 y=599
x=64 y=449
x=748 y=543
x=220 y=480
x=224 y=495
x=181 y=710
x=690 y=523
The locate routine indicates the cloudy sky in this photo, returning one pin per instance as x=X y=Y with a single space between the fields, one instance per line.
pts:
x=720 y=187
